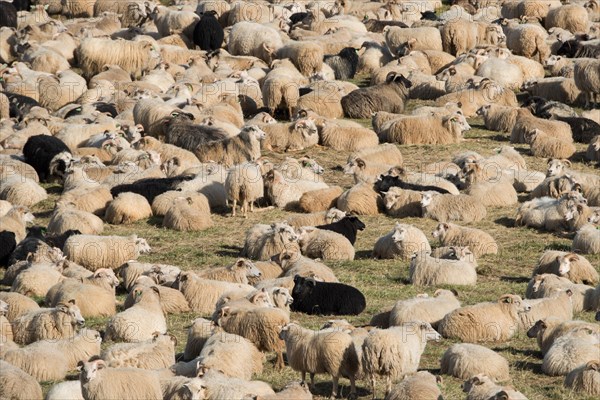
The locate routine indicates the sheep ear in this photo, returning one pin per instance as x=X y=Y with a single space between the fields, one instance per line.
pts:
x=155 y=334
x=507 y=298
x=100 y=364
x=240 y=262
x=225 y=311
x=595 y=365
x=80 y=366
x=567 y=162
x=173 y=339
x=360 y=162
x=569 y=292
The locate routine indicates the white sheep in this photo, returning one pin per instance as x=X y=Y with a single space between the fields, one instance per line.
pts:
x=424 y=308
x=587 y=79
x=347 y=137
x=585 y=379
x=449 y=207
x=429 y=271
x=324 y=244
x=67 y=217
x=264 y=241
x=543 y=145
x=570 y=351
x=402 y=242
x=184 y=215
x=156 y=353
x=361 y=199
x=252 y=39
x=463 y=360
x=17 y=383
x=557 y=304
x=586 y=240
x=572 y=266
x=244 y=183
x=95 y=252
x=126 y=208
x=16 y=220
x=478 y=241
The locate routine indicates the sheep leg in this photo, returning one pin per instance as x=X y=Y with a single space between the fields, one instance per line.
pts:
x=388 y=385
x=303 y=376
x=373 y=385
x=334 y=390
x=352 y=388
x=233 y=208
x=312 y=380
x=279 y=361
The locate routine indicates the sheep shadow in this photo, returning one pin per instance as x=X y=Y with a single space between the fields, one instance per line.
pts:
x=229 y=251
x=536 y=368
x=515 y=279
x=523 y=352
x=558 y=247
x=323 y=389
x=363 y=255
x=155 y=221
x=55 y=189
x=500 y=137
x=506 y=222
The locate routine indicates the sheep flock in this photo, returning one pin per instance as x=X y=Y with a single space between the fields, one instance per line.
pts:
x=251 y=199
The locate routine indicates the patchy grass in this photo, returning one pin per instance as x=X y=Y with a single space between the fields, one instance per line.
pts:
x=382 y=281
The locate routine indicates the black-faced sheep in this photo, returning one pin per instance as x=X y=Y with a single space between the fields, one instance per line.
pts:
x=326 y=298
x=208 y=33
x=40 y=151
x=347 y=226
x=402 y=242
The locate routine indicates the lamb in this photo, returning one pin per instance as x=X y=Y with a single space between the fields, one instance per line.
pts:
x=294 y=136
x=264 y=241
x=238 y=272
x=478 y=241
x=464 y=360
x=235 y=150
x=420 y=386
x=259 y=325
x=127 y=208
x=233 y=355
x=306 y=56
x=49 y=323
x=584 y=379
x=202 y=294
x=139 y=322
x=184 y=215
x=401 y=242
x=253 y=39
x=389 y=96
x=587 y=79
x=526 y=122
x=361 y=199
x=327 y=245
x=396 y=351
x=326 y=298
x=95 y=252
x=586 y=240
x=558 y=305
x=326 y=351
x=95 y=296
x=544 y=145
x=577 y=347
x=350 y=138
x=135 y=57
x=156 y=353
x=101 y=382
x=572 y=266
x=244 y=183
x=498 y=118
x=484 y=322
x=428 y=271
x=66 y=217
x=408 y=130
x=424 y=308
x=16 y=383
x=15 y=221
x=318 y=201
x=448 y=207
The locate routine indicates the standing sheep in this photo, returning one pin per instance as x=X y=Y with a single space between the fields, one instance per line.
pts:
x=484 y=322
x=478 y=241
x=402 y=242
x=463 y=360
x=307 y=56
x=449 y=207
x=244 y=183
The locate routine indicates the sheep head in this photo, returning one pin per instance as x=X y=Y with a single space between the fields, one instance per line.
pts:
x=89 y=370
x=399 y=234
x=557 y=167
x=281 y=297
x=426 y=199
x=516 y=302
x=72 y=312
x=564 y=263
x=251 y=270
x=440 y=230
x=538 y=328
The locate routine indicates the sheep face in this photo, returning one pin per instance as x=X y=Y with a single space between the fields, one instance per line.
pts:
x=552 y=60
x=564 y=263
x=557 y=167
x=426 y=201
x=483 y=110
x=255 y=132
x=354 y=166
x=251 y=270
x=194 y=390
x=72 y=311
x=285 y=232
x=281 y=297
x=108 y=276
x=288 y=330
x=89 y=370
x=142 y=245
x=440 y=231
x=390 y=199
x=303 y=287
x=306 y=126
x=537 y=329
x=519 y=305
x=312 y=165
x=476 y=380
x=399 y=233
x=595 y=217
x=261 y=299
x=334 y=215
x=425 y=330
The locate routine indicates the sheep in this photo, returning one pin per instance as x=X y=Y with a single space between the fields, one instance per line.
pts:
x=361 y=199
x=135 y=57
x=587 y=79
x=198 y=333
x=385 y=153
x=484 y=322
x=481 y=387
x=478 y=241
x=21 y=191
x=546 y=285
x=320 y=200
x=326 y=351
x=183 y=215
x=219 y=386
x=424 y=308
x=587 y=181
x=50 y=323
x=547 y=330
x=259 y=325
x=389 y=96
x=252 y=39
x=544 y=145
x=294 y=263
x=572 y=266
x=502 y=71
x=593 y=150
x=202 y=294
x=233 y=355
x=526 y=122
x=547 y=213
x=401 y=203
x=558 y=305
x=464 y=360
x=420 y=386
x=238 y=272
x=498 y=118
x=49 y=360
x=486 y=92
x=396 y=351
x=429 y=271
x=527 y=40
x=264 y=241
x=447 y=207
x=577 y=347
x=586 y=240
x=584 y=379
x=408 y=130
x=139 y=322
x=40 y=150
x=15 y=221
x=327 y=245
x=156 y=353
x=348 y=227
x=66 y=217
x=244 y=183
x=401 y=242
x=65 y=390
x=127 y=208
x=18 y=304
x=347 y=138
x=316 y=218
x=95 y=252
x=230 y=151
x=293 y=390
x=295 y=136
x=363 y=171
x=572 y=17
x=422 y=38
x=16 y=383
x=101 y=382
x=208 y=34
x=326 y=298
x=306 y=56
x=498 y=193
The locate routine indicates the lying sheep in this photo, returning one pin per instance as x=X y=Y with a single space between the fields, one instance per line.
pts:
x=244 y=183
x=294 y=263
x=47 y=323
x=67 y=217
x=409 y=130
x=498 y=118
x=396 y=351
x=139 y=322
x=326 y=298
x=361 y=199
x=546 y=285
x=401 y=242
x=586 y=240
x=480 y=387
x=65 y=390
x=15 y=221
x=448 y=207
x=156 y=353
x=484 y=322
x=326 y=351
x=293 y=136
x=264 y=241
x=572 y=266
x=238 y=272
x=420 y=386
x=319 y=200
x=219 y=386
x=421 y=38
x=172 y=300
x=547 y=213
x=570 y=351
x=478 y=241
x=385 y=153
x=543 y=145
x=526 y=122
x=127 y=208
x=428 y=271
x=324 y=244
x=252 y=39
x=316 y=218
x=464 y=360
x=17 y=383
x=183 y=215
x=584 y=379
x=549 y=329
x=424 y=308
x=349 y=138
x=95 y=252
x=559 y=305
x=18 y=304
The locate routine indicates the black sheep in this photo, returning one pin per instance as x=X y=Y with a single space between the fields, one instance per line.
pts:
x=326 y=298
x=60 y=239
x=22 y=5
x=7 y=245
x=583 y=129
x=385 y=182
x=20 y=105
x=347 y=227
x=575 y=48
x=182 y=132
x=31 y=244
x=100 y=106
x=208 y=33
x=40 y=150
x=344 y=64
x=543 y=108
x=8 y=15
x=375 y=25
x=150 y=187
x=297 y=17
x=429 y=16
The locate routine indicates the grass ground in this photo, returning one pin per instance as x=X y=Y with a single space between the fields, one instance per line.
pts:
x=382 y=281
